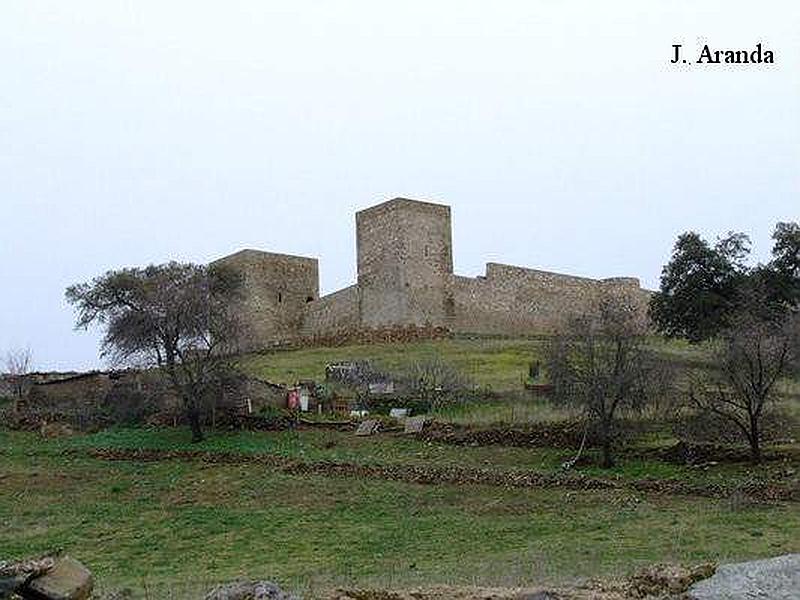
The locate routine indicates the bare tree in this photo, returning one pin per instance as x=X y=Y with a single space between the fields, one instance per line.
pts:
x=600 y=362
x=181 y=318
x=434 y=380
x=750 y=358
x=18 y=365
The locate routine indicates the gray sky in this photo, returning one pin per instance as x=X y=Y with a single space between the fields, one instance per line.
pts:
x=137 y=132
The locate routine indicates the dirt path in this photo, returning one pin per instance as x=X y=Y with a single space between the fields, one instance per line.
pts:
x=451 y=475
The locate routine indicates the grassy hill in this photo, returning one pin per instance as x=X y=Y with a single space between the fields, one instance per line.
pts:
x=500 y=364
x=315 y=509
x=171 y=528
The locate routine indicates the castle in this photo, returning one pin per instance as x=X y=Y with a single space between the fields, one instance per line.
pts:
x=405 y=278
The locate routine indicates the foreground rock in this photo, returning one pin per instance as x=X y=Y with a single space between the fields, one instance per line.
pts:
x=249 y=590
x=46 y=578
x=13 y=575
x=67 y=580
x=774 y=578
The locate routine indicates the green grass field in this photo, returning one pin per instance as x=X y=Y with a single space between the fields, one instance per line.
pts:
x=178 y=525
x=497 y=364
x=171 y=528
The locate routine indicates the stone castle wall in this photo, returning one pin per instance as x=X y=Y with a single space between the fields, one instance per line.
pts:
x=338 y=311
x=512 y=299
x=406 y=279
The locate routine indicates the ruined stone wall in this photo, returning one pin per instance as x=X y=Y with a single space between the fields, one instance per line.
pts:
x=87 y=389
x=405 y=262
x=338 y=311
x=277 y=288
x=515 y=300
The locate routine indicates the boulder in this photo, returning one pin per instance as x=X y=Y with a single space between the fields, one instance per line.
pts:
x=248 y=590
x=67 y=580
x=9 y=585
x=13 y=575
x=774 y=578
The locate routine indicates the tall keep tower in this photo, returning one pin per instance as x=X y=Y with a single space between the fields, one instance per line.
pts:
x=405 y=263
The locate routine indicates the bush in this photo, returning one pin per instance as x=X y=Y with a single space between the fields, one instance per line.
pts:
x=706 y=428
x=125 y=405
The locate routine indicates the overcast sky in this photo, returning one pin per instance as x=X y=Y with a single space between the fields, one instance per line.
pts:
x=144 y=131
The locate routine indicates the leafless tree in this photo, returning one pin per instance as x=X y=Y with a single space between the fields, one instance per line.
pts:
x=434 y=380
x=750 y=358
x=181 y=318
x=600 y=362
x=18 y=365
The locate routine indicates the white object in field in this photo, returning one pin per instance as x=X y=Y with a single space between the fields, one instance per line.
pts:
x=398 y=413
x=381 y=387
x=304 y=400
x=368 y=427
x=359 y=413
x=414 y=424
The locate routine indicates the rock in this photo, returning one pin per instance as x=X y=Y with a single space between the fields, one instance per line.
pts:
x=9 y=585
x=29 y=568
x=773 y=578
x=67 y=580
x=668 y=579
x=542 y=595
x=249 y=590
x=13 y=575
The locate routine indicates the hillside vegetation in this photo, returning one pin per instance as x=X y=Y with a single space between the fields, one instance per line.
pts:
x=169 y=528
x=500 y=364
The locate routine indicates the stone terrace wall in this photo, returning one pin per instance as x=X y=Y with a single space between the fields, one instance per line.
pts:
x=338 y=311
x=395 y=334
x=514 y=300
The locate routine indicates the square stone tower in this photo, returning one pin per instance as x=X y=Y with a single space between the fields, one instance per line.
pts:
x=276 y=290
x=405 y=263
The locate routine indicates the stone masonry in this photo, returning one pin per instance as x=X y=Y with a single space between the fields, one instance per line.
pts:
x=405 y=278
